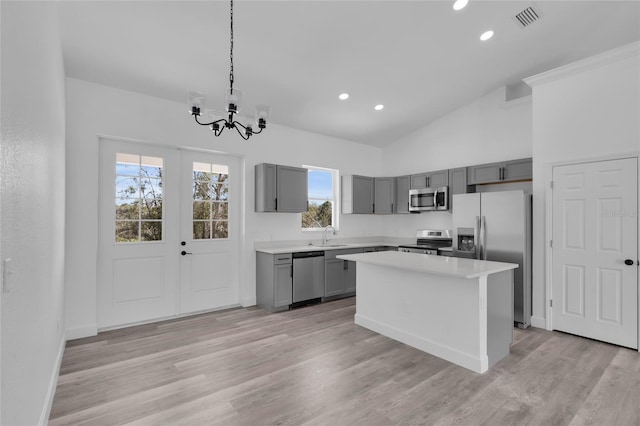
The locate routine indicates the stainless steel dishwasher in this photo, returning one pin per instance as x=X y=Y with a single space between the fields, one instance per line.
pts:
x=308 y=277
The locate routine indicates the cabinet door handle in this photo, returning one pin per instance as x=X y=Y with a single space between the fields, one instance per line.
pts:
x=276 y=201
x=184 y=253
x=291 y=271
x=345 y=265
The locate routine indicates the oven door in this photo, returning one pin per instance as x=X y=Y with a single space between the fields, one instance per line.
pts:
x=422 y=199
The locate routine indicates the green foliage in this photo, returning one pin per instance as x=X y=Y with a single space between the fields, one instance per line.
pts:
x=318 y=215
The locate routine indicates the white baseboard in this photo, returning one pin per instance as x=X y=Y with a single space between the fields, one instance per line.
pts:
x=81 y=331
x=539 y=322
x=470 y=361
x=248 y=302
x=53 y=383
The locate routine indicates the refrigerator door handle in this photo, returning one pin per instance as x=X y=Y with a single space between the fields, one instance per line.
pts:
x=483 y=236
x=476 y=239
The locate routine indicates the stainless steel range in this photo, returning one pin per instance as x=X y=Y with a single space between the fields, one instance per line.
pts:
x=430 y=241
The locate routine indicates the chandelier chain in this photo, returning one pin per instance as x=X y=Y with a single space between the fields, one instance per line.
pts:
x=231 y=51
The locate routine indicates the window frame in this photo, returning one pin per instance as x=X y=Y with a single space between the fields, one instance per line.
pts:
x=335 y=210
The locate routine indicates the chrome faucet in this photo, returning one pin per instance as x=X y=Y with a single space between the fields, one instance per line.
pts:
x=324 y=234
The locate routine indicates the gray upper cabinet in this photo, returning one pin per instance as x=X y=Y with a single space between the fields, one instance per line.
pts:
x=280 y=188
x=430 y=179
x=402 y=194
x=357 y=194
x=506 y=171
x=457 y=183
x=518 y=170
x=384 y=195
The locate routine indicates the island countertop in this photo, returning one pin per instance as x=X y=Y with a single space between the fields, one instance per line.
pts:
x=440 y=265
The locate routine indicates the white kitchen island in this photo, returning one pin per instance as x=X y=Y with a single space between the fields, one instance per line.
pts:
x=457 y=309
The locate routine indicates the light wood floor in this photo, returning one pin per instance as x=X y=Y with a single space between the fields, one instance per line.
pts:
x=313 y=365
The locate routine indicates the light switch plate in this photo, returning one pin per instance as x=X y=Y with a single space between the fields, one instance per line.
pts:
x=6 y=275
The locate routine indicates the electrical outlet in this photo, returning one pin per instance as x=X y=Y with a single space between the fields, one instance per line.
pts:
x=6 y=275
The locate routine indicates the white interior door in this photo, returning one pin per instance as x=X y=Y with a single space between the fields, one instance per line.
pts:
x=210 y=231
x=138 y=213
x=595 y=229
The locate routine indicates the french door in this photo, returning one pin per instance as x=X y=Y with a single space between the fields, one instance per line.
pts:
x=168 y=232
x=595 y=250
x=209 y=246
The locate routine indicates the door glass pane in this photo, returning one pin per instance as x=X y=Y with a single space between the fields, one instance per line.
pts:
x=211 y=201
x=138 y=198
x=151 y=231
x=201 y=230
x=127 y=231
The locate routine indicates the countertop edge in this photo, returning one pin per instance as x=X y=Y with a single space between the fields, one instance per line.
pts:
x=303 y=248
x=411 y=263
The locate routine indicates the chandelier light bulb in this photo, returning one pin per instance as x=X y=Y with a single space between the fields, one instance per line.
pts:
x=343 y=96
x=378 y=107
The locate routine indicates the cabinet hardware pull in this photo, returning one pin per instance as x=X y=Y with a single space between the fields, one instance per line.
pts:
x=184 y=253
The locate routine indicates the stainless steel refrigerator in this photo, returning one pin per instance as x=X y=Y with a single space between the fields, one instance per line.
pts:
x=497 y=226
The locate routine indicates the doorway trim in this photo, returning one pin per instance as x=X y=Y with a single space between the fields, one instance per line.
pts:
x=548 y=226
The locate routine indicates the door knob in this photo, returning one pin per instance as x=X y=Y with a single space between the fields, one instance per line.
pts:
x=629 y=262
x=184 y=253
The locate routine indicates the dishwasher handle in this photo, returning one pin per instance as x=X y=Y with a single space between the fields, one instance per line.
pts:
x=305 y=254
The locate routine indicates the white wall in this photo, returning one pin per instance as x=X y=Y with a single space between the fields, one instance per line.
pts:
x=585 y=110
x=32 y=199
x=483 y=131
x=94 y=110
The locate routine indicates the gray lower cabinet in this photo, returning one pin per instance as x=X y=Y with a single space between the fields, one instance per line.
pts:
x=274 y=281
x=339 y=275
x=402 y=194
x=506 y=171
x=280 y=188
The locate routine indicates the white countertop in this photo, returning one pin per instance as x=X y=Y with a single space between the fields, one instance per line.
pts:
x=297 y=248
x=440 y=265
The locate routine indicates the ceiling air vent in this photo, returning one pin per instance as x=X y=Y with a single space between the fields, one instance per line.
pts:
x=526 y=17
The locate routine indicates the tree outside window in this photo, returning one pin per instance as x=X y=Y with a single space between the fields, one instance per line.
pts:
x=322 y=190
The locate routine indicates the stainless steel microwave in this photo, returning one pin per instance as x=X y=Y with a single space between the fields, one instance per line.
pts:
x=429 y=199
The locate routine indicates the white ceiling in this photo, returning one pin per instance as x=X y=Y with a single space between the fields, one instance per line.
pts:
x=421 y=59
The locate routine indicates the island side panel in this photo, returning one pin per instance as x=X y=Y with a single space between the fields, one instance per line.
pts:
x=499 y=315
x=434 y=313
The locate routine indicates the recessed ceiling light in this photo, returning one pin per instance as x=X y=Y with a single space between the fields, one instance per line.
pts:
x=460 y=4
x=378 y=107
x=343 y=96
x=486 y=35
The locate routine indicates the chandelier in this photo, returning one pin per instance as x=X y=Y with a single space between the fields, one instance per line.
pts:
x=216 y=121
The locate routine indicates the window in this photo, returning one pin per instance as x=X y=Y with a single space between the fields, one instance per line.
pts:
x=323 y=193
x=138 y=198
x=210 y=201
